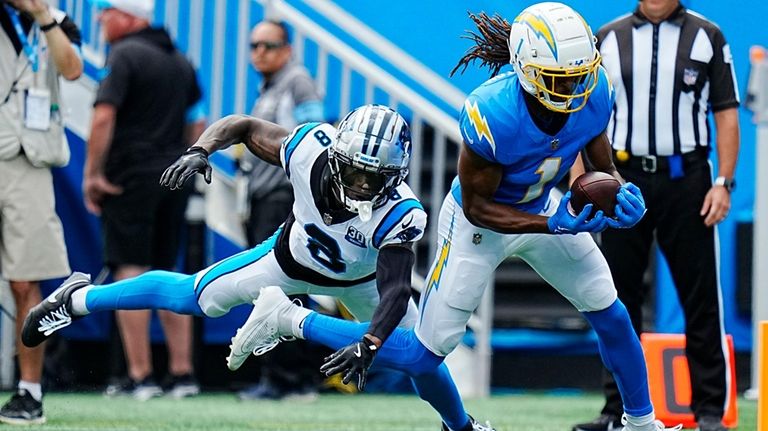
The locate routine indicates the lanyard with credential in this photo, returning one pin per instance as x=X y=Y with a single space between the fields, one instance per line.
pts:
x=29 y=50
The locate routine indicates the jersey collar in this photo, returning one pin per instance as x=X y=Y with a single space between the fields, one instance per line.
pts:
x=677 y=17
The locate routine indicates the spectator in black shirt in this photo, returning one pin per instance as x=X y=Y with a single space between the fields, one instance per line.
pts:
x=145 y=114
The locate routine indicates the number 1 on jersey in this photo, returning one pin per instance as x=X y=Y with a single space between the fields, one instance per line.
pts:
x=547 y=171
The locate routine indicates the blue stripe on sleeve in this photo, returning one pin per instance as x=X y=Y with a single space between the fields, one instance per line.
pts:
x=290 y=146
x=309 y=111
x=393 y=217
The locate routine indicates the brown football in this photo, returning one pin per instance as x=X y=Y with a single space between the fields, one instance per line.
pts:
x=597 y=188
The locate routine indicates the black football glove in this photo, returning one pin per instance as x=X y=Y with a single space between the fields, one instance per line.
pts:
x=193 y=161
x=352 y=360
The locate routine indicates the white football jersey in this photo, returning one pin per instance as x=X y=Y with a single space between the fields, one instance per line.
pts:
x=337 y=245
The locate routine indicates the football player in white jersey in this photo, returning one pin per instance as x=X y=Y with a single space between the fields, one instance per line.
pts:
x=350 y=235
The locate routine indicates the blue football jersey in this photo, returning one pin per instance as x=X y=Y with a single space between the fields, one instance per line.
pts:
x=496 y=124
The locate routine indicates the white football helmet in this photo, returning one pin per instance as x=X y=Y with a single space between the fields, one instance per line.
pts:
x=553 y=53
x=369 y=157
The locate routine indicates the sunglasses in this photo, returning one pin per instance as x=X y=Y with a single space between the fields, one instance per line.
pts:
x=267 y=45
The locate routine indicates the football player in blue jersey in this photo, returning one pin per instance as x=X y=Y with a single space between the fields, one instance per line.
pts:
x=349 y=235
x=522 y=131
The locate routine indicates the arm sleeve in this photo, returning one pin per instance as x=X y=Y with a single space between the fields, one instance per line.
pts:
x=195 y=93
x=303 y=90
x=116 y=81
x=70 y=29
x=393 y=281
x=308 y=105
x=195 y=105
x=195 y=113
x=722 y=76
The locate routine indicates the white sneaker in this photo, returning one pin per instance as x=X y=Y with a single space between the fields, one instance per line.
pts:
x=654 y=426
x=476 y=426
x=268 y=325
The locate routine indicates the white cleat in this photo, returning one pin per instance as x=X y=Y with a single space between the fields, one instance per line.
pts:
x=261 y=332
x=654 y=426
x=476 y=426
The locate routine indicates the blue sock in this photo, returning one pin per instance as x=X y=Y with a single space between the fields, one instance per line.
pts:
x=403 y=352
x=623 y=356
x=438 y=389
x=151 y=290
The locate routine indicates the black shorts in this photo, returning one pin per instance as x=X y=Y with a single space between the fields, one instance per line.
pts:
x=142 y=225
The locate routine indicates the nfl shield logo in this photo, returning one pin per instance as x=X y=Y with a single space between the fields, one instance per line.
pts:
x=555 y=143
x=477 y=238
x=690 y=76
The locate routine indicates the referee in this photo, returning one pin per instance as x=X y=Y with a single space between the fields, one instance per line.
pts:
x=671 y=67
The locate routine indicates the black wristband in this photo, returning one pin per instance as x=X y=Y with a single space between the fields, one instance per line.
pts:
x=48 y=27
x=200 y=150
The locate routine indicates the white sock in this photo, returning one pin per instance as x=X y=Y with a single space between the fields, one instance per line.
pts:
x=298 y=328
x=297 y=323
x=34 y=389
x=292 y=321
x=640 y=422
x=77 y=301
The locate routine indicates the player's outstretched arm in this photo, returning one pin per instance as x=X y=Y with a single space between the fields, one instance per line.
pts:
x=393 y=281
x=263 y=138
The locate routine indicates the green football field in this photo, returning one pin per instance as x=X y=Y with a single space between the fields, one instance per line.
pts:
x=535 y=412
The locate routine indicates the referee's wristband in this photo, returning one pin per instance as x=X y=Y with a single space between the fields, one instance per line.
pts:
x=48 y=27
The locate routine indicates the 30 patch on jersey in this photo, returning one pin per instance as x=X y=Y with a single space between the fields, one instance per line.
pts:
x=355 y=237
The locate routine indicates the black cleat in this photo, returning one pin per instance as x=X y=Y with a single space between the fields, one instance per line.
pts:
x=22 y=409
x=710 y=423
x=142 y=390
x=53 y=313
x=182 y=386
x=604 y=422
x=473 y=425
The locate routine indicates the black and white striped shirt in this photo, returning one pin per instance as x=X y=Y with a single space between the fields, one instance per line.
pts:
x=667 y=77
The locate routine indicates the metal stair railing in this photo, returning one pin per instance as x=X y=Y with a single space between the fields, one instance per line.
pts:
x=445 y=127
x=203 y=30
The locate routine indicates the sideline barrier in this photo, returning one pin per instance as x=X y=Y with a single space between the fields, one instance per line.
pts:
x=762 y=387
x=670 y=383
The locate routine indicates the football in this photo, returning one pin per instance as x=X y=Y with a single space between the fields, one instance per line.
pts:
x=597 y=188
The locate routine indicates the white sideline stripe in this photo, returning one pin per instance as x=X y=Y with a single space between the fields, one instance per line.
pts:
x=217 y=64
x=243 y=52
x=194 y=49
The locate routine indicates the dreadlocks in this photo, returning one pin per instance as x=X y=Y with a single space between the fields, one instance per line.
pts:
x=490 y=43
